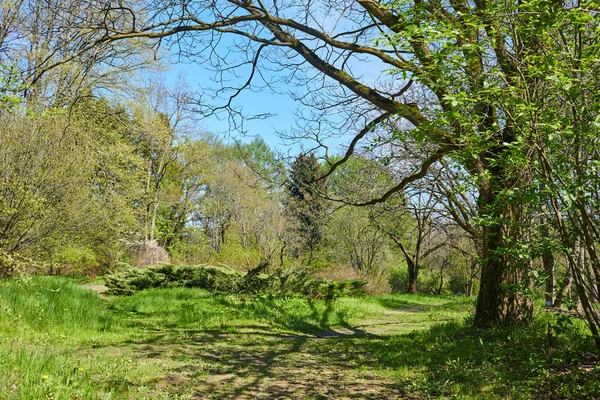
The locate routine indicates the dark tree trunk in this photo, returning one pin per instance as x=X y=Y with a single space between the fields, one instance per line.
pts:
x=413 y=274
x=501 y=300
x=441 y=286
x=547 y=259
x=471 y=279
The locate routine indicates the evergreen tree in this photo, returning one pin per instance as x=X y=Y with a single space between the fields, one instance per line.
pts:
x=304 y=207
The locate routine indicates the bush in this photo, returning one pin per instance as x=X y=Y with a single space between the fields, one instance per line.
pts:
x=14 y=264
x=428 y=282
x=191 y=252
x=457 y=284
x=323 y=288
x=168 y=275
x=399 y=280
x=74 y=260
x=299 y=281
x=294 y=282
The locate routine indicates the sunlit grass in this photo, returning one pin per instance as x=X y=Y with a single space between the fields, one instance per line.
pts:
x=49 y=302
x=199 y=309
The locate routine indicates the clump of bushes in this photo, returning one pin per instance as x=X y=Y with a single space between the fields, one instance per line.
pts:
x=398 y=280
x=13 y=264
x=75 y=261
x=131 y=279
x=224 y=279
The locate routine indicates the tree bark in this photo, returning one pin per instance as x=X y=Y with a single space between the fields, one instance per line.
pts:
x=441 y=286
x=548 y=261
x=501 y=300
x=547 y=256
x=413 y=274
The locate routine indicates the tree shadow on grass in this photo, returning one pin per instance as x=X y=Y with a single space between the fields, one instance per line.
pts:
x=318 y=360
x=262 y=365
x=276 y=360
x=307 y=316
x=393 y=303
x=455 y=360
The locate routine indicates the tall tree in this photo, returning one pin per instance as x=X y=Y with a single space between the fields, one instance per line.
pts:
x=303 y=204
x=68 y=179
x=188 y=178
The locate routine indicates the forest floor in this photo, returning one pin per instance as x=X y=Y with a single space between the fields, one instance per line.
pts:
x=62 y=341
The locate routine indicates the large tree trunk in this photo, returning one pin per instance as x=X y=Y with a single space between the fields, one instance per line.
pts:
x=501 y=300
x=413 y=274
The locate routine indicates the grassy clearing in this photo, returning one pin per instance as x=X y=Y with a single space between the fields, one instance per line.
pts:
x=62 y=342
x=202 y=310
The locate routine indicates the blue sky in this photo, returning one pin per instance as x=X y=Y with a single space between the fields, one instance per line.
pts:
x=252 y=103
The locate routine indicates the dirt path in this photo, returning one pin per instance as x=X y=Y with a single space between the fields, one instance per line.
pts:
x=99 y=289
x=260 y=365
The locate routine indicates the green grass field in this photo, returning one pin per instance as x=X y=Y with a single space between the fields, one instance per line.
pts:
x=59 y=341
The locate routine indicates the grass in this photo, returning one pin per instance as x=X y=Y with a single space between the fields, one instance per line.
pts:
x=44 y=302
x=58 y=341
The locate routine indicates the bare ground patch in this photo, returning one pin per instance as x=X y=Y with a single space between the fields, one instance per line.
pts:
x=258 y=365
x=258 y=362
x=99 y=289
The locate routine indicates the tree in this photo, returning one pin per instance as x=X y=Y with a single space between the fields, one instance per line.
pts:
x=240 y=209
x=56 y=57
x=188 y=179
x=418 y=241
x=67 y=180
x=258 y=156
x=160 y=153
x=353 y=239
x=159 y=130
x=303 y=204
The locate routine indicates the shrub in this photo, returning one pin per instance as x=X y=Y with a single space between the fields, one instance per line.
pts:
x=458 y=284
x=13 y=264
x=168 y=275
x=191 y=252
x=332 y=289
x=299 y=281
x=74 y=260
x=294 y=282
x=398 y=280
